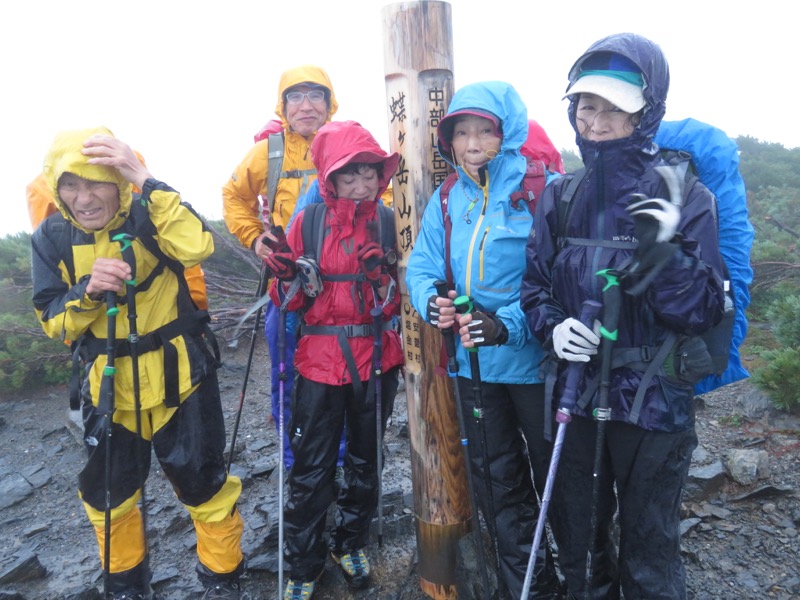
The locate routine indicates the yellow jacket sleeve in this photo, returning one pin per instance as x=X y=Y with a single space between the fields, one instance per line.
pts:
x=241 y=207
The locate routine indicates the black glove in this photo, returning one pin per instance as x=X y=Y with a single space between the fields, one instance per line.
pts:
x=282 y=265
x=655 y=225
x=655 y=220
x=275 y=239
x=485 y=329
x=433 y=310
x=370 y=259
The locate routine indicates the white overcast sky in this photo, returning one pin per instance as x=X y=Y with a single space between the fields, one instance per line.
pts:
x=189 y=83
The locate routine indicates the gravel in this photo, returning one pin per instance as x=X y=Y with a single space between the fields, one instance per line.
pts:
x=741 y=538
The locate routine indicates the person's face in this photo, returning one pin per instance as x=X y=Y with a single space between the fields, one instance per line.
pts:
x=600 y=121
x=309 y=114
x=474 y=143
x=363 y=185
x=91 y=203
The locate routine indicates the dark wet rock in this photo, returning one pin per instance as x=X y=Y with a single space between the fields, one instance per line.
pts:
x=13 y=489
x=24 y=567
x=704 y=482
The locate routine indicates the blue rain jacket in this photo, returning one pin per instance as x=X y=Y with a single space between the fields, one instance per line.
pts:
x=487 y=244
x=686 y=298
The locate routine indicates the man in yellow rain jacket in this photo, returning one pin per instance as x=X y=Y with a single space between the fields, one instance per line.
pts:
x=80 y=264
x=41 y=205
x=305 y=103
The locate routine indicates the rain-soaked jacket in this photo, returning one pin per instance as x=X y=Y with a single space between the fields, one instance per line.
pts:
x=487 y=241
x=342 y=302
x=687 y=296
x=41 y=205
x=65 y=310
x=241 y=208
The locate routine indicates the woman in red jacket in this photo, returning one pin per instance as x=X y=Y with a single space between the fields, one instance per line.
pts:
x=334 y=358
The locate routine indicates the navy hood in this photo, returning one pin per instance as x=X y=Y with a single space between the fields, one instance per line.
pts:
x=650 y=60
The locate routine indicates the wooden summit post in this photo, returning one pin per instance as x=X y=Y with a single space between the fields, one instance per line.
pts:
x=418 y=63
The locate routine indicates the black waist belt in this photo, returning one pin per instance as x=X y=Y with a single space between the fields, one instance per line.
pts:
x=195 y=324
x=342 y=332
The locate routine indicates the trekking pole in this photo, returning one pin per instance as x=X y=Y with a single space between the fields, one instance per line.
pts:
x=281 y=444
x=260 y=291
x=612 y=304
x=126 y=249
x=452 y=370
x=107 y=394
x=464 y=305
x=377 y=350
x=569 y=397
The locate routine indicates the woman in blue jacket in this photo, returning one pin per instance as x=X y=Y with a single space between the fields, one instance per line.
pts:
x=665 y=251
x=481 y=137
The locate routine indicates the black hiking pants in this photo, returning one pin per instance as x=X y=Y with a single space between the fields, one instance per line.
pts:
x=319 y=413
x=513 y=423
x=642 y=474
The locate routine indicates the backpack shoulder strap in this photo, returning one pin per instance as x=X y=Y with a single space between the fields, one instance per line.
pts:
x=313 y=229
x=60 y=230
x=444 y=194
x=565 y=201
x=533 y=184
x=274 y=167
x=388 y=235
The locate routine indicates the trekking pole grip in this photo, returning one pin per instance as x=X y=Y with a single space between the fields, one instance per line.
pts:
x=442 y=288
x=464 y=306
x=589 y=311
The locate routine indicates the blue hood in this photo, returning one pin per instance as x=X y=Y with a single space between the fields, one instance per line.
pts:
x=503 y=101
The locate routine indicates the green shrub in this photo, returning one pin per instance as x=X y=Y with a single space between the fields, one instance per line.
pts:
x=780 y=378
x=784 y=314
x=28 y=358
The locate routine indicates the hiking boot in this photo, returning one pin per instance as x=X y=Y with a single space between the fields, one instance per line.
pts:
x=298 y=590
x=223 y=590
x=355 y=568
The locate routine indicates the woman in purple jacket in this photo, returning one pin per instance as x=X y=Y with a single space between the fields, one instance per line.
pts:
x=618 y=213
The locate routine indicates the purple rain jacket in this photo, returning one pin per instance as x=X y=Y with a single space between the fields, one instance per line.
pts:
x=686 y=298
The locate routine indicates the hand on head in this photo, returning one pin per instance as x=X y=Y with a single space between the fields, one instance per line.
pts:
x=111 y=152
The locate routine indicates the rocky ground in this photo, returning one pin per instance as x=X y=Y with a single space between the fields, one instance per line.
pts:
x=742 y=506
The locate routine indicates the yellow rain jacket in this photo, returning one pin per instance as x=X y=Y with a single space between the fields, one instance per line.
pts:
x=41 y=205
x=169 y=326
x=241 y=207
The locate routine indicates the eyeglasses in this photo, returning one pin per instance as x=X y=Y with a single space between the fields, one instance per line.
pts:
x=313 y=96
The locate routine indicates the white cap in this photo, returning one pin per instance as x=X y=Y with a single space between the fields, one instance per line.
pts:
x=622 y=94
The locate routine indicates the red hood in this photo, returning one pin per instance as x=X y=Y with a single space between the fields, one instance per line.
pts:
x=342 y=142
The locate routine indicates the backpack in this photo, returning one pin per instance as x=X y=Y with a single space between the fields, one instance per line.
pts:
x=314 y=232
x=273 y=133
x=719 y=341
x=533 y=183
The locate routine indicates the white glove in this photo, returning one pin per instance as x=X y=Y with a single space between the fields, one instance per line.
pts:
x=575 y=342
x=656 y=219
